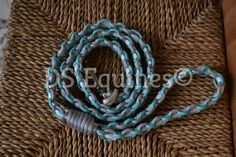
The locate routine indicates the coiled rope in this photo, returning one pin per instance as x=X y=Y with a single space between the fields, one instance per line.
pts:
x=125 y=120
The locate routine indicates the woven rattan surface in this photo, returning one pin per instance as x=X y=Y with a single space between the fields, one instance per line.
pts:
x=181 y=33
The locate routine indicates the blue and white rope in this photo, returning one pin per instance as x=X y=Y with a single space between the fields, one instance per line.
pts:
x=125 y=120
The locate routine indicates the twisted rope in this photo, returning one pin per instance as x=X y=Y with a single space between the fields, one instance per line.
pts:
x=125 y=120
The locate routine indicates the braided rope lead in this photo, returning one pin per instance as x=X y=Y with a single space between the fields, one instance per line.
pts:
x=125 y=120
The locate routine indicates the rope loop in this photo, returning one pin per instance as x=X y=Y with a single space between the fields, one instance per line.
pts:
x=128 y=118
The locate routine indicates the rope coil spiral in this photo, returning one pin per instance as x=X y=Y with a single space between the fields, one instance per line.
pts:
x=125 y=120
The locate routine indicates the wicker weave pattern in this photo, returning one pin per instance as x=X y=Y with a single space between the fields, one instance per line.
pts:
x=181 y=33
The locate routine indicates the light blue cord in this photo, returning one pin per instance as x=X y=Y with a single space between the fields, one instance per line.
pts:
x=125 y=120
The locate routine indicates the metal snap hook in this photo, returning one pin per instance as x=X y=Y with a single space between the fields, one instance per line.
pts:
x=108 y=97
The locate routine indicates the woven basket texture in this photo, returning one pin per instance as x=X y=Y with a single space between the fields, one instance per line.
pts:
x=181 y=33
